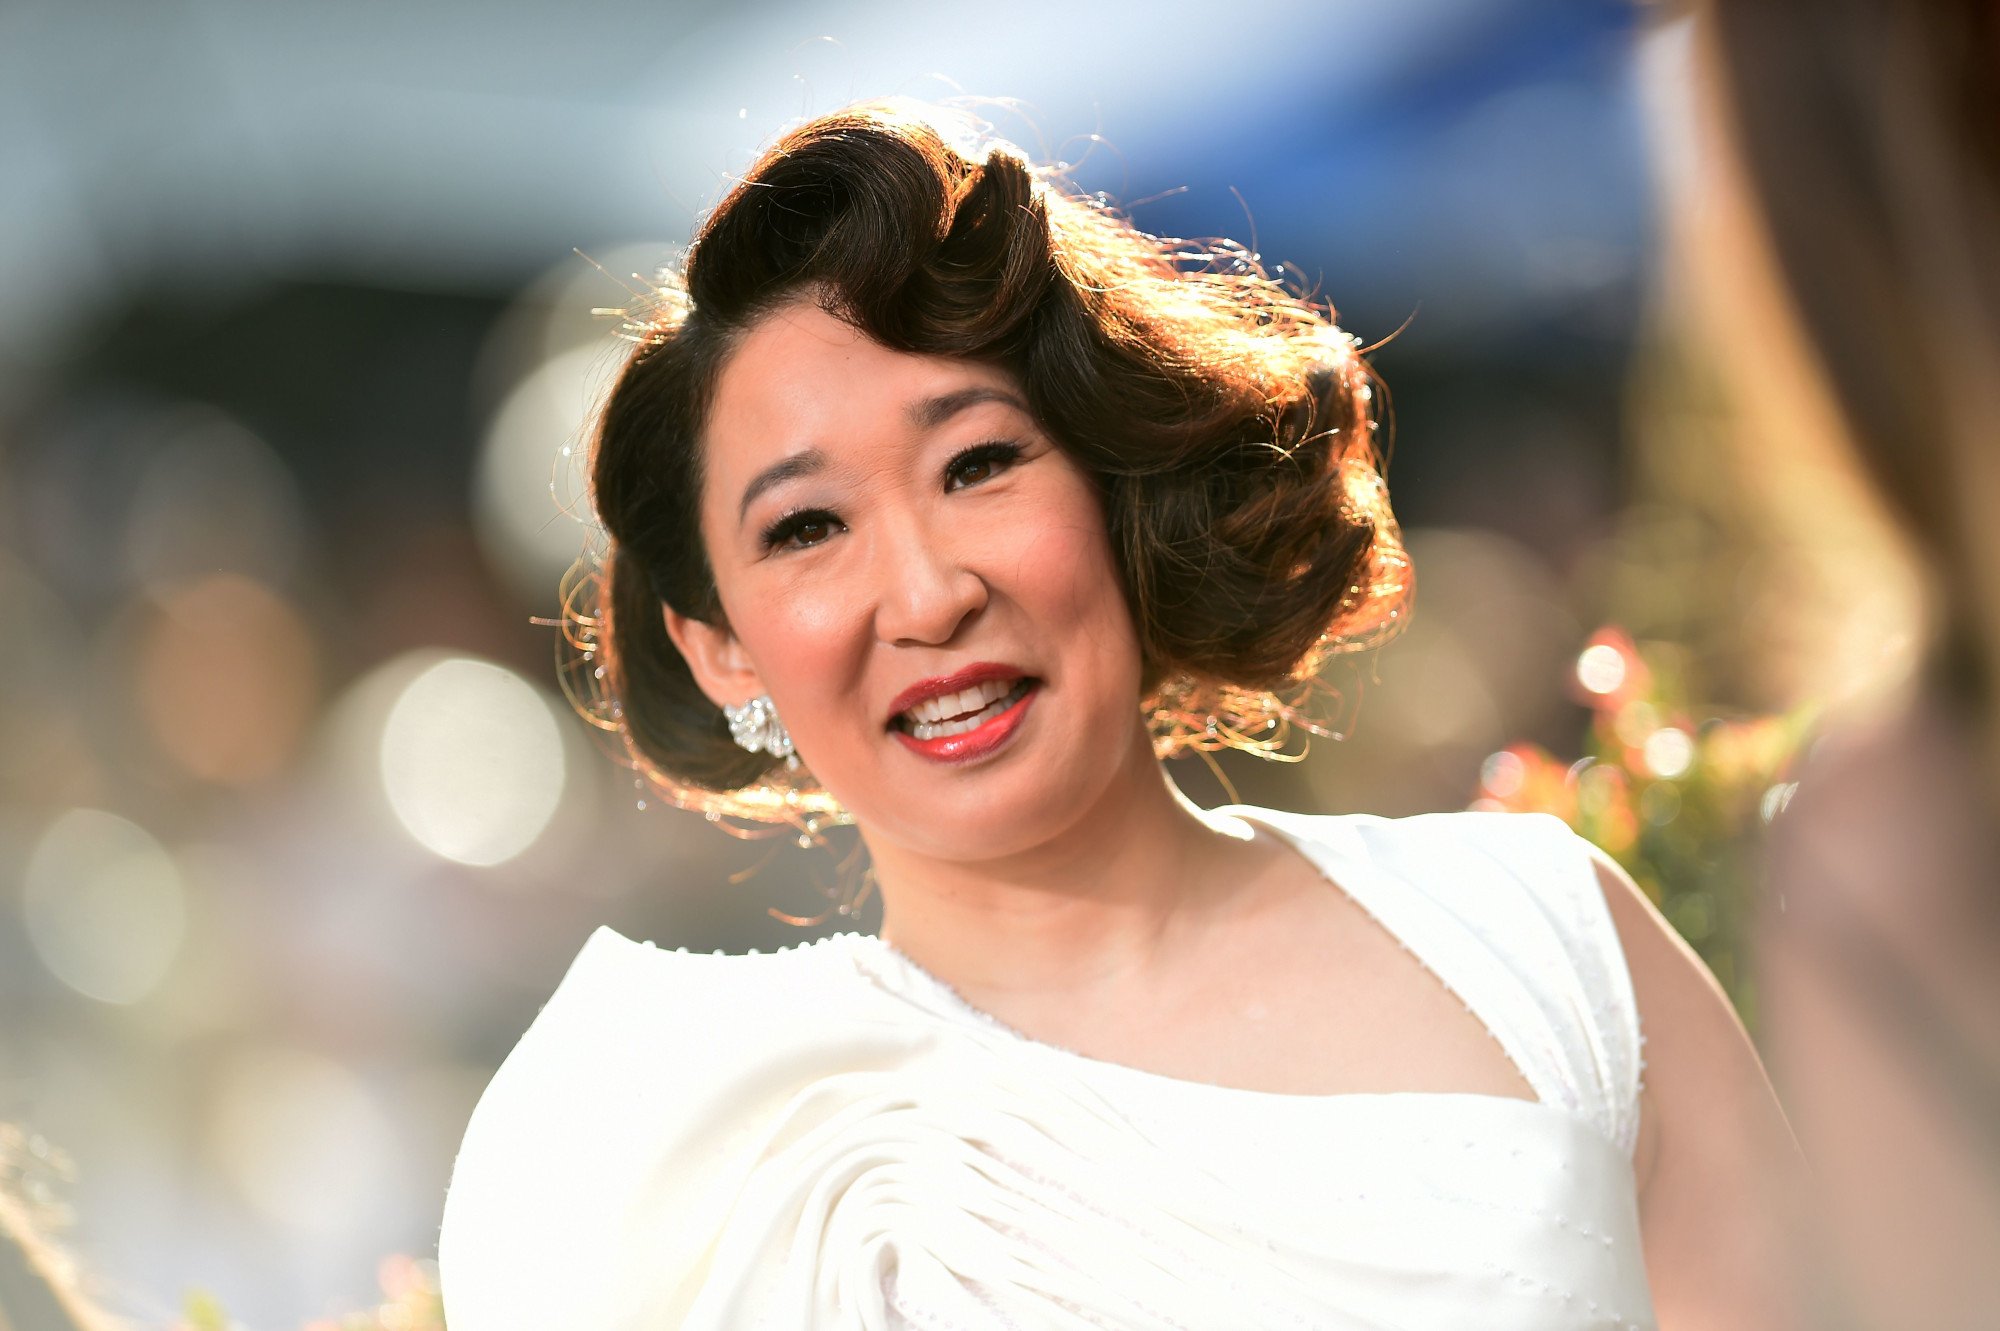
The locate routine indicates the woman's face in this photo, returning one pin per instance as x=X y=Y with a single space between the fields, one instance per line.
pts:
x=922 y=582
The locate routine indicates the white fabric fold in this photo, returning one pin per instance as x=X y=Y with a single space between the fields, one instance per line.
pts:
x=827 y=1137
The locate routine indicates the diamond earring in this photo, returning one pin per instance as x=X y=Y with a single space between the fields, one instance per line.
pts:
x=755 y=726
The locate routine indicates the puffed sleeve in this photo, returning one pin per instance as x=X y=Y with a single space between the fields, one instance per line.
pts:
x=588 y=1184
x=535 y=1187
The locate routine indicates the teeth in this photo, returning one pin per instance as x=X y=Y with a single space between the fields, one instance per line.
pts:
x=963 y=703
x=969 y=710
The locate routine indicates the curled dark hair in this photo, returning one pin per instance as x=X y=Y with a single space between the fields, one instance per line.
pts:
x=1231 y=428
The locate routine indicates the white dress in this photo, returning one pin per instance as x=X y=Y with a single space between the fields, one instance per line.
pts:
x=827 y=1136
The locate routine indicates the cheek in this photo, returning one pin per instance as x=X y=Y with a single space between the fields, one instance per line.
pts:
x=1066 y=575
x=805 y=639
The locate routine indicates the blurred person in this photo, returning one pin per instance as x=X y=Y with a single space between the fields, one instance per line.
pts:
x=1860 y=146
x=945 y=502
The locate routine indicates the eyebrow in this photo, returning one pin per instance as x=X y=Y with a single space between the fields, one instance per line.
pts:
x=931 y=412
x=786 y=469
x=925 y=413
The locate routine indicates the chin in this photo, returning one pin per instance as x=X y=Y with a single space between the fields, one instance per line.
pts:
x=1013 y=806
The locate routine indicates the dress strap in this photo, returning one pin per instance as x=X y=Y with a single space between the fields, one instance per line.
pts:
x=1506 y=909
x=1553 y=863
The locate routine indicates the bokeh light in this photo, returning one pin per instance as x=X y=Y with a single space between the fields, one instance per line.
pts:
x=303 y=1139
x=1600 y=668
x=531 y=509
x=104 y=905
x=212 y=497
x=1635 y=721
x=1503 y=773
x=1488 y=632
x=1660 y=803
x=1669 y=752
x=471 y=761
x=227 y=679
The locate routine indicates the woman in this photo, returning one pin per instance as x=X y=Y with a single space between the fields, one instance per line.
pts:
x=946 y=502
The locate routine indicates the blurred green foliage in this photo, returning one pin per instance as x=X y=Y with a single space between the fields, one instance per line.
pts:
x=1678 y=793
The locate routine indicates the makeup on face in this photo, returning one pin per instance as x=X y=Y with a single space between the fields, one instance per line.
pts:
x=922 y=581
x=965 y=715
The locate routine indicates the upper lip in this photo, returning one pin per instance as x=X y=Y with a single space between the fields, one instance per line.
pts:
x=939 y=685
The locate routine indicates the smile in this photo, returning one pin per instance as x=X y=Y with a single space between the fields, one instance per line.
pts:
x=964 y=716
x=958 y=713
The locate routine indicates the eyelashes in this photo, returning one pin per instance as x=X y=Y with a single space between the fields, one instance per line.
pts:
x=803 y=528
x=995 y=455
x=798 y=523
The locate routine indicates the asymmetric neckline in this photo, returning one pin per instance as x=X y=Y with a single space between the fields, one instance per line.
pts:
x=831 y=1137
x=1397 y=907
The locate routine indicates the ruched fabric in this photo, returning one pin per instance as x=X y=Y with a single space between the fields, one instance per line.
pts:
x=827 y=1136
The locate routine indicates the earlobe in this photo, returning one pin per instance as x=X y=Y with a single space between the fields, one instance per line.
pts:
x=717 y=660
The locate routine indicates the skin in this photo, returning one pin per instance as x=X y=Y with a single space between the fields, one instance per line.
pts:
x=1062 y=883
x=1719 y=1169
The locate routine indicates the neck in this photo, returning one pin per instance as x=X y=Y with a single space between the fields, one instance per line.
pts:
x=1098 y=907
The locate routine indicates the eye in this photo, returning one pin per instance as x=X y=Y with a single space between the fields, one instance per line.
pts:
x=798 y=530
x=981 y=462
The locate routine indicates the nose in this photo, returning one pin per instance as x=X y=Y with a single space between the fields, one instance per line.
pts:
x=926 y=593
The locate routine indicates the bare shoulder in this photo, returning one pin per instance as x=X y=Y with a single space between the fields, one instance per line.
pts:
x=1684 y=1011
x=1716 y=1159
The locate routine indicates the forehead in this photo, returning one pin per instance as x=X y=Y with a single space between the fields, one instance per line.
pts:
x=802 y=378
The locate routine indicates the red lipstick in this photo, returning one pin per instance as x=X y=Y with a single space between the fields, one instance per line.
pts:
x=967 y=745
x=939 y=685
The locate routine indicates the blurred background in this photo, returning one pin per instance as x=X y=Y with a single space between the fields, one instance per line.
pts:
x=297 y=344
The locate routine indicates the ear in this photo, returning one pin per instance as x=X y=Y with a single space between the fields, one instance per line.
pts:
x=720 y=665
